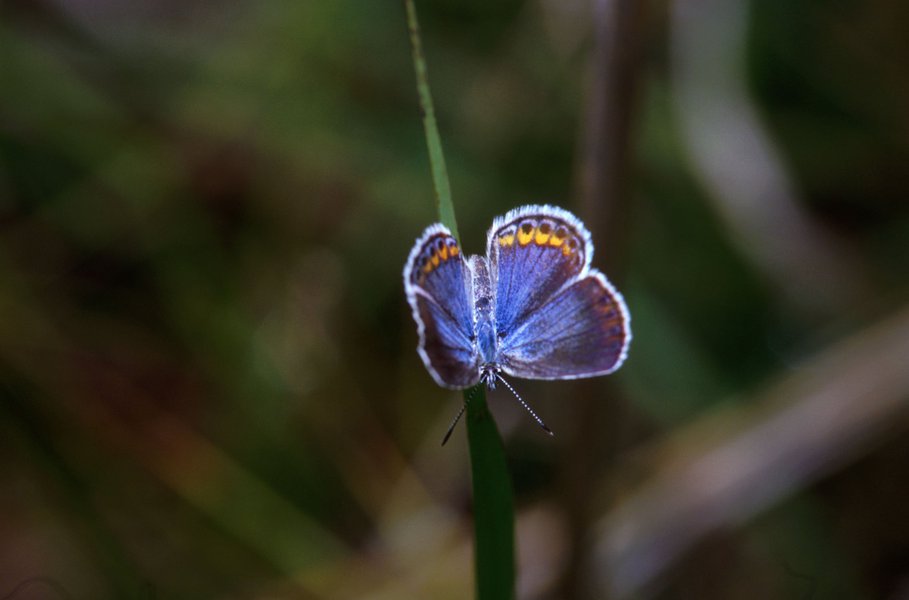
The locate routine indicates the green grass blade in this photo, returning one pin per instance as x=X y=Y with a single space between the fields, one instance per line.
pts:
x=493 y=502
x=433 y=141
x=493 y=496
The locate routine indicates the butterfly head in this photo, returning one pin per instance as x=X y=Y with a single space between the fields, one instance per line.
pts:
x=489 y=373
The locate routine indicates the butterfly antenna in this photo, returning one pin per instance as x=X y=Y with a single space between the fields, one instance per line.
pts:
x=458 y=416
x=526 y=406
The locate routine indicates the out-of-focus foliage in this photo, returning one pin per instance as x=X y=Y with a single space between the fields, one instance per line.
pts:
x=208 y=384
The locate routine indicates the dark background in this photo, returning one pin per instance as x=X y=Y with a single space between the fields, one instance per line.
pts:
x=208 y=383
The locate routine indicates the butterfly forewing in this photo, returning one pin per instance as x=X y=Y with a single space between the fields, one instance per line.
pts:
x=437 y=281
x=533 y=252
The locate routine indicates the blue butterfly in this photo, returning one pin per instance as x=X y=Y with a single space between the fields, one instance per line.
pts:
x=531 y=308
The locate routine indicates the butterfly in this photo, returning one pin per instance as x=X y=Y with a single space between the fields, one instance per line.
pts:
x=531 y=308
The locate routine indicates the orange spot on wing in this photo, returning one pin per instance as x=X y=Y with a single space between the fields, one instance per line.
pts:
x=570 y=247
x=443 y=253
x=525 y=234
x=541 y=238
x=506 y=240
x=455 y=251
x=558 y=237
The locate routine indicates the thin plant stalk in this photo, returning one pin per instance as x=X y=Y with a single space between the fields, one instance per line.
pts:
x=493 y=496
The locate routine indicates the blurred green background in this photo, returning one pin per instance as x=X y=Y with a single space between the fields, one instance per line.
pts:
x=209 y=380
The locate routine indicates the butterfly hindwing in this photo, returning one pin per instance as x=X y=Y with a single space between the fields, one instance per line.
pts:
x=582 y=331
x=437 y=282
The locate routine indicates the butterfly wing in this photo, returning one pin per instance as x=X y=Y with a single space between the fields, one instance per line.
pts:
x=437 y=282
x=583 y=331
x=555 y=317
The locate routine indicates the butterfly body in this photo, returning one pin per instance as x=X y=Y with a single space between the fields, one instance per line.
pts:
x=532 y=307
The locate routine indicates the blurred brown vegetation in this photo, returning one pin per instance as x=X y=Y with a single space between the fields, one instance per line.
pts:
x=209 y=383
